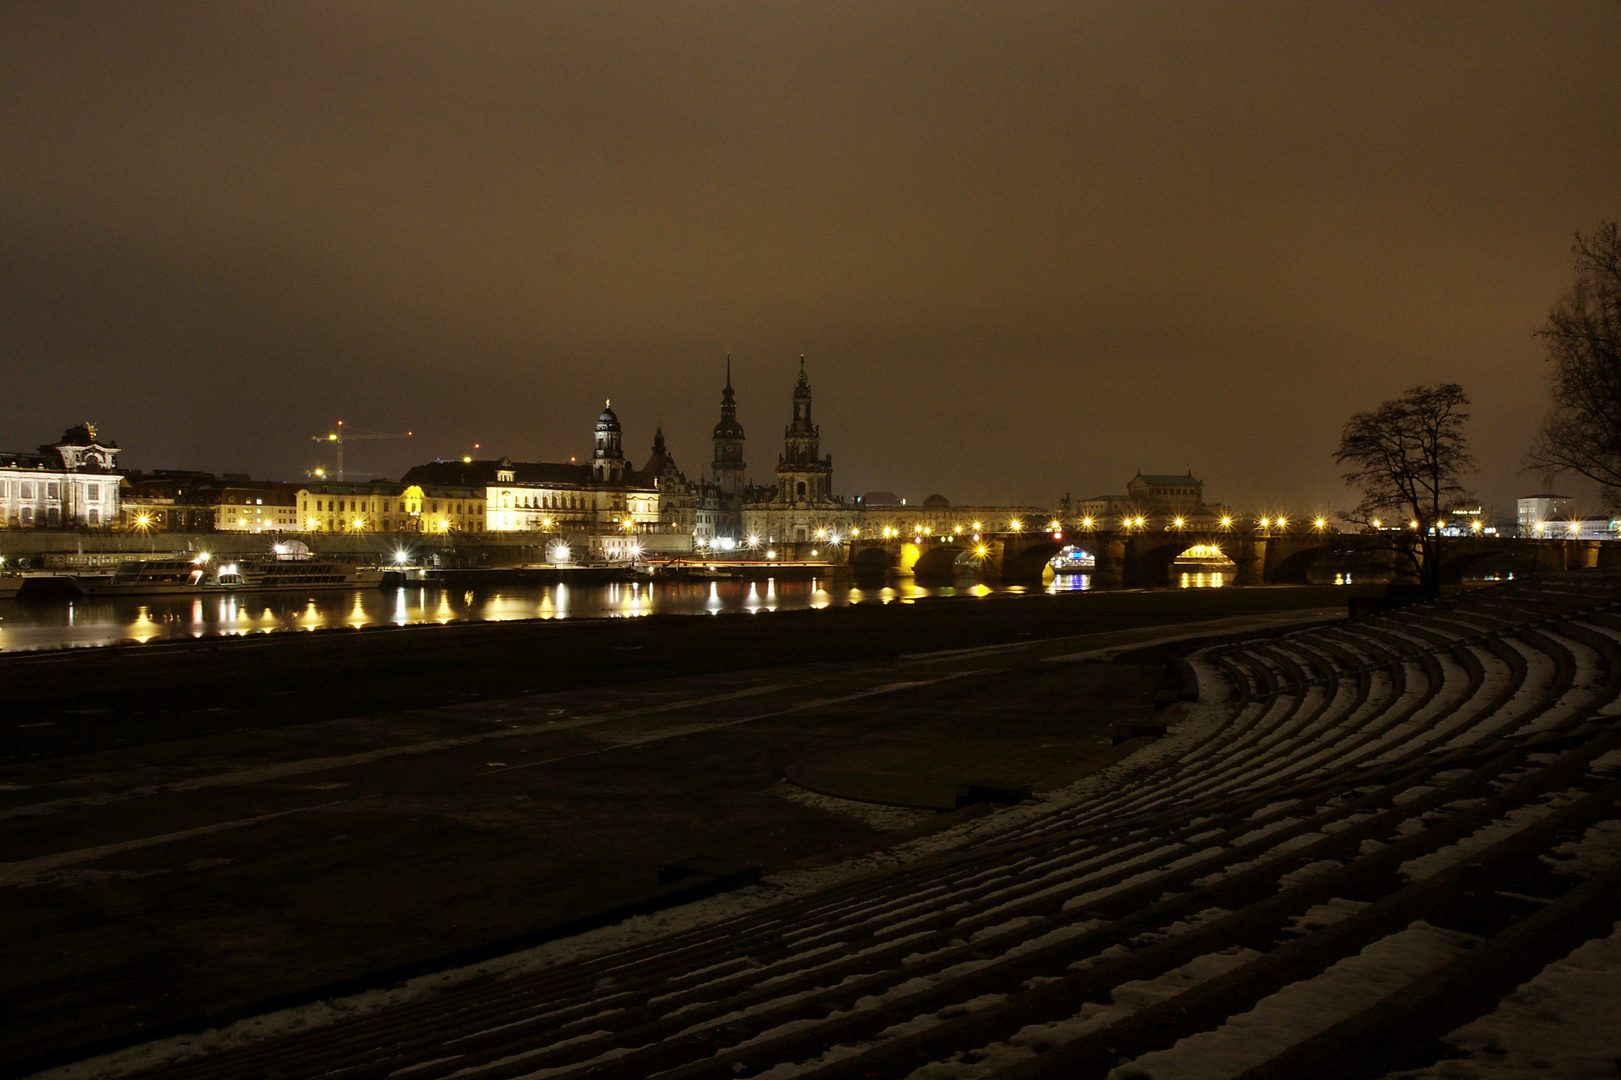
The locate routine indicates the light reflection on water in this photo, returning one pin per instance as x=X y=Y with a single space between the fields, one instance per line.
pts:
x=47 y=624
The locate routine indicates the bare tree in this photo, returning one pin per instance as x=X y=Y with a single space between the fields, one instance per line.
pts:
x=1407 y=456
x=1582 y=433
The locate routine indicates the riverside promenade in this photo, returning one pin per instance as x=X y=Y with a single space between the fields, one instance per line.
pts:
x=1341 y=860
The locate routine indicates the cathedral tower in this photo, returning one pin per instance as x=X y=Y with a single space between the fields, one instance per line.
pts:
x=803 y=476
x=728 y=463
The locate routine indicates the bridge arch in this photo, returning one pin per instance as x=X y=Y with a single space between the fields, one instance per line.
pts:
x=873 y=562
x=1023 y=563
x=939 y=564
x=1149 y=566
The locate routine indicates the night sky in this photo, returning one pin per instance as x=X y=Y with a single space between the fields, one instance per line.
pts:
x=1025 y=248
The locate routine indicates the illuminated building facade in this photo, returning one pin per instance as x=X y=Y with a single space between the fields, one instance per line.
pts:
x=1544 y=514
x=387 y=506
x=72 y=483
x=1154 y=495
x=263 y=506
x=604 y=498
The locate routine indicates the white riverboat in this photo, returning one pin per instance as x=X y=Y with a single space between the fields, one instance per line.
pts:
x=228 y=574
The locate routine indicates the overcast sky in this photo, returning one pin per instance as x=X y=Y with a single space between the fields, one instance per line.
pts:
x=1026 y=249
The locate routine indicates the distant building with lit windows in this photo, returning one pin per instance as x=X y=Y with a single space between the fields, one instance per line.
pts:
x=616 y=512
x=389 y=506
x=73 y=483
x=257 y=506
x=1154 y=495
x=1541 y=515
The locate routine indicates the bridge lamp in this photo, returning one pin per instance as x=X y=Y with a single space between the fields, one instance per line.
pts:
x=1376 y=523
x=855 y=530
x=1227 y=522
x=1320 y=524
x=821 y=534
x=1412 y=524
x=1141 y=521
x=753 y=541
x=1178 y=523
x=1086 y=523
x=833 y=539
x=1282 y=521
x=1015 y=525
x=981 y=551
x=1477 y=525
x=977 y=527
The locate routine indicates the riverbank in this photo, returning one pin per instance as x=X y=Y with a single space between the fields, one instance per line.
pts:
x=195 y=829
x=66 y=702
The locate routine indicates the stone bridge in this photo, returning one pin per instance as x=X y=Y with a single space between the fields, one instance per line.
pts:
x=1143 y=557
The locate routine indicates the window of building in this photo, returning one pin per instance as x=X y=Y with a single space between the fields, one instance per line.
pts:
x=53 y=515
x=93 y=516
x=28 y=513
x=93 y=492
x=27 y=493
x=51 y=491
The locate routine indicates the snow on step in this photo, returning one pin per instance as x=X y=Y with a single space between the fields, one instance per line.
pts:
x=1560 y=1024
x=1516 y=820
x=1305 y=1008
x=1124 y=1000
x=1540 y=672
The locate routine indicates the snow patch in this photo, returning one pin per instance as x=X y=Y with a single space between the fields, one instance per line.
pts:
x=1303 y=1009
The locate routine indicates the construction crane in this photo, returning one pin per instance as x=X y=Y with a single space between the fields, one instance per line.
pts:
x=337 y=438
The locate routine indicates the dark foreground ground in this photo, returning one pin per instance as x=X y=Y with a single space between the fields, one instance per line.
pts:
x=191 y=832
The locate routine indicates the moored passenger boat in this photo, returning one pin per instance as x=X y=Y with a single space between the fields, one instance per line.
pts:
x=250 y=573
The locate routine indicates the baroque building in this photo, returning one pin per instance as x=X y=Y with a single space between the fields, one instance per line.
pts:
x=71 y=483
x=1154 y=495
x=612 y=509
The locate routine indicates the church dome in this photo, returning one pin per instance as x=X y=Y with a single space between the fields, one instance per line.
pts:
x=607 y=421
x=936 y=502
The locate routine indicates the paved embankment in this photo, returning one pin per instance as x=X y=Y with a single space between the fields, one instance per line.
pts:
x=1342 y=864
x=190 y=832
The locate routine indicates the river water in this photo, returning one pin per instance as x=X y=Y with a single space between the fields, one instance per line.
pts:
x=54 y=624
